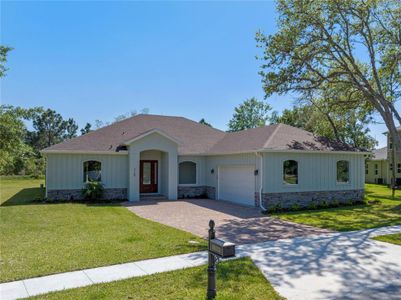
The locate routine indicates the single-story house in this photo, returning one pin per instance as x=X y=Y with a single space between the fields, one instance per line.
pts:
x=179 y=158
x=379 y=166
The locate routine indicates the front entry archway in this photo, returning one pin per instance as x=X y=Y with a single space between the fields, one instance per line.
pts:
x=148 y=182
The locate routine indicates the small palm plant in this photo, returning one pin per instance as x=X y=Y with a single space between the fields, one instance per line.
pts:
x=93 y=190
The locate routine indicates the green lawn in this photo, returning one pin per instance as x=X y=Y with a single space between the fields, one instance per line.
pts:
x=390 y=238
x=236 y=279
x=39 y=239
x=385 y=213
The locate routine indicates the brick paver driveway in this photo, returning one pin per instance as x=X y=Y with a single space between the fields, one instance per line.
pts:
x=239 y=224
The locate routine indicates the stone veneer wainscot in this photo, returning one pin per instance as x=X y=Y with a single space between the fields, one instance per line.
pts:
x=108 y=194
x=306 y=199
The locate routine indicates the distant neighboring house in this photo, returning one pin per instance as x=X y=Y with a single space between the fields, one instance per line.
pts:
x=379 y=166
x=179 y=158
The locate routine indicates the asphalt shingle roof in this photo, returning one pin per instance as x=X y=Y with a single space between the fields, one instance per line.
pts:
x=379 y=154
x=196 y=138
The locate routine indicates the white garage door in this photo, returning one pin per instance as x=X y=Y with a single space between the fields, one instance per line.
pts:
x=237 y=184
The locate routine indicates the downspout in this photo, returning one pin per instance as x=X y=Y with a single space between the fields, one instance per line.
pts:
x=261 y=182
x=45 y=156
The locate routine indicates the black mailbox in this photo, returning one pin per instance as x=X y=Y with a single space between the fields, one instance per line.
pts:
x=221 y=248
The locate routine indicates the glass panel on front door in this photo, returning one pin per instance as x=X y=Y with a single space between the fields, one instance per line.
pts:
x=148 y=177
x=147 y=168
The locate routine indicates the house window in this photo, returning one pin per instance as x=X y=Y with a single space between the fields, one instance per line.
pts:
x=366 y=169
x=290 y=172
x=391 y=167
x=342 y=171
x=376 y=169
x=92 y=170
x=398 y=168
x=187 y=172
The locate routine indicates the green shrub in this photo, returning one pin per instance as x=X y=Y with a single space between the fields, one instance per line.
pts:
x=334 y=203
x=295 y=207
x=312 y=205
x=93 y=190
x=323 y=204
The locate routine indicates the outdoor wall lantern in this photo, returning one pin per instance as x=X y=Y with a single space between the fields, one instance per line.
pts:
x=256 y=172
x=212 y=171
x=218 y=249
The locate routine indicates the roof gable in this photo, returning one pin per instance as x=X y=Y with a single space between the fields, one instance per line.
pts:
x=147 y=133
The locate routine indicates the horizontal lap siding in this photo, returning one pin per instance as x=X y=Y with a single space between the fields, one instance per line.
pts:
x=316 y=172
x=65 y=171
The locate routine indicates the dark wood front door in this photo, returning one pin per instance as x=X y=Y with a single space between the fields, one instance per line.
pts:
x=148 y=176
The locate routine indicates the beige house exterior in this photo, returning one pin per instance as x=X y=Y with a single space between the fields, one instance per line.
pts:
x=272 y=166
x=378 y=168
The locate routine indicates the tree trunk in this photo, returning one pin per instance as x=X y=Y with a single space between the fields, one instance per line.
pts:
x=393 y=183
x=396 y=144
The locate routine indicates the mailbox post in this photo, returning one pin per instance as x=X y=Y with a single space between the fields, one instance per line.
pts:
x=211 y=269
x=217 y=249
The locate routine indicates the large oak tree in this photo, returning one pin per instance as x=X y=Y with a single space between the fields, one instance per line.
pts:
x=351 y=44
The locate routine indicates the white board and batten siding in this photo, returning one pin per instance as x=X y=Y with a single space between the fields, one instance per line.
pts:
x=316 y=172
x=65 y=171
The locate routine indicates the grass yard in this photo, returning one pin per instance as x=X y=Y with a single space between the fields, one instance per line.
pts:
x=40 y=239
x=236 y=279
x=390 y=238
x=385 y=213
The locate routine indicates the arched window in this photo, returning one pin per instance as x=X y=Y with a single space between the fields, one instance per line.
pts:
x=187 y=172
x=92 y=170
x=342 y=171
x=290 y=172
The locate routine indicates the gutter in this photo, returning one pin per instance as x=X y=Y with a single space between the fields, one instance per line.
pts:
x=264 y=210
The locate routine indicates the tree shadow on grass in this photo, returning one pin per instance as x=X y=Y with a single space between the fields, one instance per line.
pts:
x=26 y=196
x=35 y=196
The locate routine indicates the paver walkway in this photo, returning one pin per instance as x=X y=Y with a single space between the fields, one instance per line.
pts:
x=346 y=265
x=236 y=223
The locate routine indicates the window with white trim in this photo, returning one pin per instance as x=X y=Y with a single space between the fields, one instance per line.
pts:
x=290 y=172
x=92 y=171
x=342 y=171
x=187 y=172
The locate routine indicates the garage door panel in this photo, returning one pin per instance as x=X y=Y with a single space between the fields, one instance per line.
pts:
x=237 y=184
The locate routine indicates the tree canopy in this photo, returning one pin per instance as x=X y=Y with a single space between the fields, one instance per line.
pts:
x=250 y=114
x=3 y=59
x=350 y=46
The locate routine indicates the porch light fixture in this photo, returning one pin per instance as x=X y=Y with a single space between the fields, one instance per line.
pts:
x=212 y=171
x=256 y=172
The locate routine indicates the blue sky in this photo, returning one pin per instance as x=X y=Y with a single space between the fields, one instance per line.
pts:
x=96 y=60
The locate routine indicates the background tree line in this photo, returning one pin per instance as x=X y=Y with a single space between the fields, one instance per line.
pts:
x=20 y=147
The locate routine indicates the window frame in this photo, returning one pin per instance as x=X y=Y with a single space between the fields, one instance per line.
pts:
x=348 y=173
x=286 y=183
x=84 y=172
x=196 y=173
